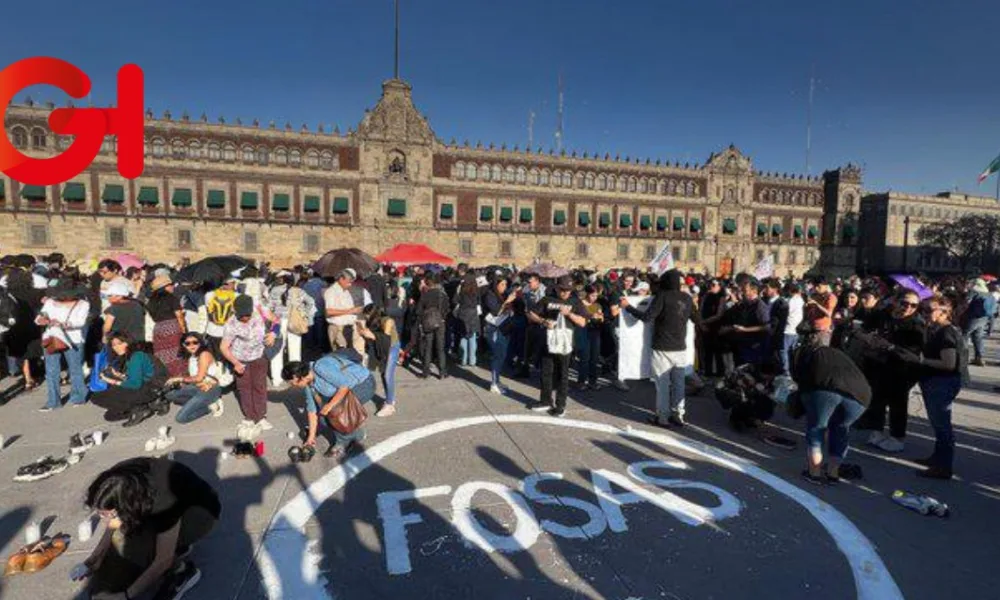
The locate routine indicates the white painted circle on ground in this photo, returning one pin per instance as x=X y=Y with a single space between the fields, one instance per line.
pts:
x=289 y=566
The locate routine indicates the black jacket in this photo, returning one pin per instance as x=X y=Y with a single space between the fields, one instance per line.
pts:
x=669 y=311
x=829 y=369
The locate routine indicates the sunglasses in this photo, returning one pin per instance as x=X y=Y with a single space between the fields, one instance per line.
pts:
x=909 y=304
x=192 y=343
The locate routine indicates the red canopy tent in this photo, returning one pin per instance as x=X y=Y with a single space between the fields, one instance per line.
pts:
x=413 y=254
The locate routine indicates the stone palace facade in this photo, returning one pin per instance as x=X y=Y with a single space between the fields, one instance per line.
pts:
x=287 y=196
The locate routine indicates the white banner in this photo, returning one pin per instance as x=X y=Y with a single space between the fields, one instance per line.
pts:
x=664 y=260
x=634 y=343
x=764 y=268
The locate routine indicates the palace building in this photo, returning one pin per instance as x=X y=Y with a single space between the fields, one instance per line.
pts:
x=287 y=195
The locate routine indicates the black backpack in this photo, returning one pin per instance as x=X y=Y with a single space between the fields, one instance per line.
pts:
x=432 y=318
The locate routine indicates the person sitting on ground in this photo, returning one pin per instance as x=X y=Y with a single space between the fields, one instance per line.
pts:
x=325 y=384
x=131 y=376
x=154 y=510
x=834 y=393
x=200 y=391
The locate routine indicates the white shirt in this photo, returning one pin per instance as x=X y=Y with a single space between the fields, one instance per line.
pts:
x=105 y=301
x=337 y=297
x=795 y=307
x=71 y=317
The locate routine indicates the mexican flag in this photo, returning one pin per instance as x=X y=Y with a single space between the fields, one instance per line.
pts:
x=991 y=169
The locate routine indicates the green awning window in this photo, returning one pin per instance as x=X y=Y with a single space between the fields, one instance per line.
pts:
x=148 y=196
x=447 y=211
x=813 y=232
x=341 y=206
x=485 y=213
x=281 y=202
x=797 y=230
x=559 y=217
x=248 y=200
x=3 y=189
x=181 y=197
x=850 y=231
x=216 y=199
x=777 y=229
x=645 y=222
x=604 y=220
x=661 y=223
x=761 y=229
x=74 y=192
x=625 y=220
x=525 y=215
x=310 y=204
x=506 y=214
x=113 y=194
x=396 y=208
x=35 y=192
x=678 y=223
x=695 y=224
x=729 y=226
x=584 y=219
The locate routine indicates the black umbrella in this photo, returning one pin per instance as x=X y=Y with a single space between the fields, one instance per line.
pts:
x=214 y=269
x=335 y=261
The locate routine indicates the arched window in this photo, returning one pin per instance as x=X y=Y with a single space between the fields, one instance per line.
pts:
x=643 y=186
x=588 y=181
x=263 y=156
x=633 y=185
x=602 y=182
x=695 y=190
x=295 y=158
x=689 y=188
x=159 y=147
x=19 y=137
x=280 y=156
x=557 y=178
x=508 y=175
x=544 y=178
x=312 y=159
x=567 y=179
x=458 y=170
x=470 y=172
x=672 y=187
x=661 y=187
x=329 y=161
x=214 y=153
x=496 y=174
x=522 y=175
x=485 y=173
x=622 y=184
x=580 y=181
x=612 y=183
x=229 y=152
x=248 y=155
x=108 y=145
x=38 y=138
x=730 y=194
x=533 y=177
x=194 y=150
x=64 y=141
x=178 y=150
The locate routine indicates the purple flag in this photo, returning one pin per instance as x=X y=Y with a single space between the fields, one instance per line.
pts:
x=910 y=282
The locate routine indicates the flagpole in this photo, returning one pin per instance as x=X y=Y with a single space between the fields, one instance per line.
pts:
x=998 y=188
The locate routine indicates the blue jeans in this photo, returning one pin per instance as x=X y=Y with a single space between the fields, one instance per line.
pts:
x=193 y=402
x=469 y=345
x=669 y=371
x=790 y=341
x=515 y=343
x=365 y=391
x=976 y=332
x=939 y=393
x=498 y=346
x=588 y=353
x=53 y=367
x=389 y=375
x=833 y=413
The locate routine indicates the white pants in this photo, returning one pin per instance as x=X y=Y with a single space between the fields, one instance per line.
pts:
x=293 y=345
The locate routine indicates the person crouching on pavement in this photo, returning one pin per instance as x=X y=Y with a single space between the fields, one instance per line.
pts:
x=834 y=393
x=325 y=384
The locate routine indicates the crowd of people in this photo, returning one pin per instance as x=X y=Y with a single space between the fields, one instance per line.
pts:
x=843 y=354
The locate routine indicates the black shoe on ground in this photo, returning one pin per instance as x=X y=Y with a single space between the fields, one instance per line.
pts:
x=935 y=473
x=658 y=422
x=557 y=412
x=813 y=479
x=539 y=407
x=925 y=462
x=676 y=420
x=138 y=415
x=179 y=582
x=779 y=442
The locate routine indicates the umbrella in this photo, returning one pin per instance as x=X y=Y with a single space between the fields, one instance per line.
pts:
x=214 y=269
x=988 y=277
x=545 y=271
x=413 y=254
x=910 y=282
x=335 y=261
x=128 y=260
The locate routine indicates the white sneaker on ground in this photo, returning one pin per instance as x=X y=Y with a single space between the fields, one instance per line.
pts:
x=265 y=425
x=217 y=408
x=498 y=389
x=387 y=410
x=891 y=444
x=621 y=385
x=876 y=438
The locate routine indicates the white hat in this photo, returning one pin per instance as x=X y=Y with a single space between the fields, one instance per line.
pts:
x=642 y=286
x=118 y=288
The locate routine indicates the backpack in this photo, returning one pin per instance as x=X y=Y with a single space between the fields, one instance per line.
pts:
x=432 y=318
x=220 y=306
x=8 y=311
x=297 y=321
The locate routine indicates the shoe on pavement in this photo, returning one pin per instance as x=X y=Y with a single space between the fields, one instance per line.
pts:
x=179 y=582
x=79 y=444
x=557 y=412
x=876 y=438
x=387 y=410
x=935 y=473
x=498 y=389
x=45 y=409
x=539 y=407
x=891 y=444
x=217 y=408
x=621 y=385
x=779 y=442
x=265 y=425
x=45 y=552
x=676 y=420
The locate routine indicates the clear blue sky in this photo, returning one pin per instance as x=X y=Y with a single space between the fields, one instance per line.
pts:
x=907 y=88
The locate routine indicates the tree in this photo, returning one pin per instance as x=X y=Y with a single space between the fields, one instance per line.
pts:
x=972 y=239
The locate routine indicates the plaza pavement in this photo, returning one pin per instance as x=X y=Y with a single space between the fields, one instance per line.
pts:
x=778 y=544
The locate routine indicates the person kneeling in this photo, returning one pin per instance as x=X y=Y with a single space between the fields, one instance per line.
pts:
x=326 y=384
x=154 y=510
x=131 y=377
x=200 y=392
